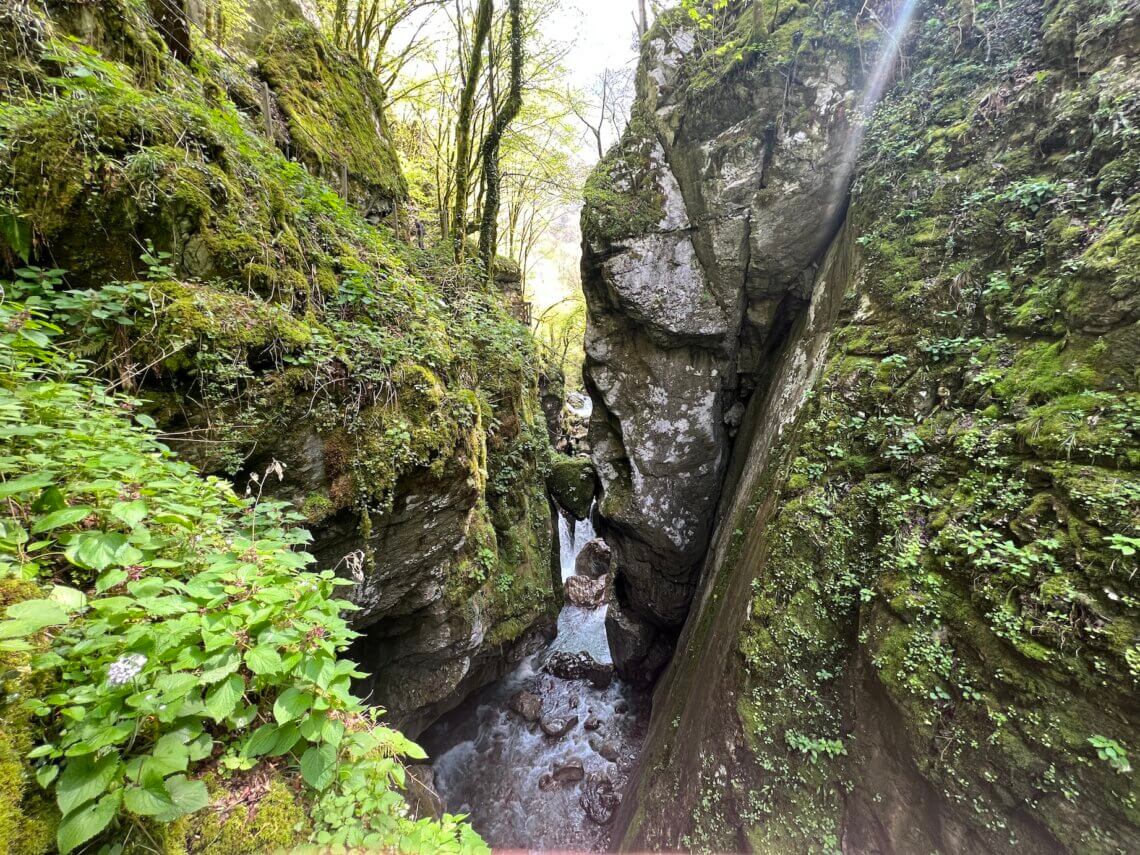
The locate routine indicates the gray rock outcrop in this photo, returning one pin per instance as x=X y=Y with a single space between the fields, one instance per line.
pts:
x=702 y=232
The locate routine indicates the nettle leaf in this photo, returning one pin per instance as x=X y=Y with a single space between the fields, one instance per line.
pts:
x=292 y=704
x=187 y=797
x=83 y=779
x=81 y=825
x=318 y=766
x=62 y=517
x=261 y=742
x=263 y=659
x=221 y=700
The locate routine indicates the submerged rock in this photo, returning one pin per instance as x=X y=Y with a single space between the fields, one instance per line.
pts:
x=593 y=561
x=527 y=705
x=599 y=799
x=605 y=748
x=580 y=666
x=585 y=593
x=569 y=772
x=558 y=726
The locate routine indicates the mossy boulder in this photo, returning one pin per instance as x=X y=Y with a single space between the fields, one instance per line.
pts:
x=335 y=112
x=572 y=482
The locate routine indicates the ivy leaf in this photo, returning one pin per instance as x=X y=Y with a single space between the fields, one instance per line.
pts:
x=62 y=517
x=83 y=779
x=221 y=700
x=292 y=704
x=81 y=825
x=318 y=766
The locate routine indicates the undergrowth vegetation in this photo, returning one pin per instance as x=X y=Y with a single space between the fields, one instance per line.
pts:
x=178 y=630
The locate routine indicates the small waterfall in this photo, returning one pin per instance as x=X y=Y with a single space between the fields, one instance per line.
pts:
x=497 y=767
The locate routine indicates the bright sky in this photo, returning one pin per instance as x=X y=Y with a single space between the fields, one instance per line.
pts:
x=601 y=35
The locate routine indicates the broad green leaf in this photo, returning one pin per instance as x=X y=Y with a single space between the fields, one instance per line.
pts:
x=83 y=779
x=263 y=659
x=96 y=550
x=219 y=666
x=62 y=517
x=292 y=704
x=110 y=579
x=85 y=822
x=188 y=796
x=149 y=799
x=69 y=598
x=130 y=513
x=170 y=754
x=221 y=700
x=261 y=742
x=35 y=481
x=31 y=616
x=318 y=766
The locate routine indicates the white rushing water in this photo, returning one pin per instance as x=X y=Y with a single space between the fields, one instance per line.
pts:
x=493 y=765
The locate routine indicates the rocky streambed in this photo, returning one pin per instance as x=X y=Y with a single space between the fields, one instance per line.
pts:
x=539 y=759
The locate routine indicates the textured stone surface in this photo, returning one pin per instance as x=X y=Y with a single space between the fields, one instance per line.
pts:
x=733 y=208
x=912 y=623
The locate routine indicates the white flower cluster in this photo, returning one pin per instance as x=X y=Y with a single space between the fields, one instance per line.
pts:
x=125 y=668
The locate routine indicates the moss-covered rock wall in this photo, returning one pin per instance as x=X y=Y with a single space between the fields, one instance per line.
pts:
x=918 y=617
x=282 y=335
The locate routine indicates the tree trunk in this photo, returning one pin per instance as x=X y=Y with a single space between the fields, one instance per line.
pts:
x=463 y=126
x=489 y=225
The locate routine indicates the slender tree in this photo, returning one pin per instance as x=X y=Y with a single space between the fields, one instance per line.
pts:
x=489 y=225
x=463 y=124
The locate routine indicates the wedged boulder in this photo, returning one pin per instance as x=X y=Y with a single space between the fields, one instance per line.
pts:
x=594 y=559
x=572 y=482
x=526 y=705
x=585 y=593
x=580 y=666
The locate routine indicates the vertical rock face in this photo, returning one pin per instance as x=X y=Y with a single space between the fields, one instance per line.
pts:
x=917 y=618
x=284 y=340
x=702 y=232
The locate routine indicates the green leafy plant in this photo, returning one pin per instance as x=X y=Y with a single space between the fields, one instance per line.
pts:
x=1112 y=753
x=178 y=623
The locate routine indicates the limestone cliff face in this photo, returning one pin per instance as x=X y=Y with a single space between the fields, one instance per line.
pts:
x=265 y=318
x=703 y=231
x=915 y=628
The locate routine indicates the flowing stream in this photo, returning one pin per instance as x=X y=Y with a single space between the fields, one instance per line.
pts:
x=522 y=788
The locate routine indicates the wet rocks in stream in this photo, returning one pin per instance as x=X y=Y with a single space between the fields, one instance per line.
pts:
x=527 y=705
x=585 y=593
x=557 y=726
x=580 y=666
x=599 y=799
x=593 y=561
